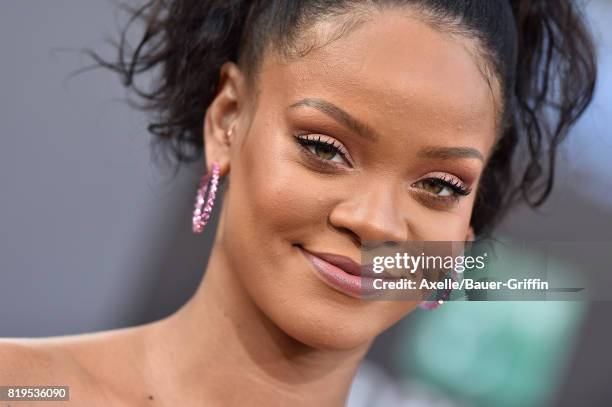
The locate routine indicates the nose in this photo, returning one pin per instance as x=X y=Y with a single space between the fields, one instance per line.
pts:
x=371 y=217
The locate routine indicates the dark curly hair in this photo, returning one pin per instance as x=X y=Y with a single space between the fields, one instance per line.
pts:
x=540 y=51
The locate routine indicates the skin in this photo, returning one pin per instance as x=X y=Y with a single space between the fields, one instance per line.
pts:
x=262 y=328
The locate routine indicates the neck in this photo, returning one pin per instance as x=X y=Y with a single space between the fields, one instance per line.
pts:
x=226 y=350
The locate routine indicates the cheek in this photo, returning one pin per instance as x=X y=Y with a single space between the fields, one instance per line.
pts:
x=270 y=189
x=269 y=208
x=427 y=224
x=274 y=196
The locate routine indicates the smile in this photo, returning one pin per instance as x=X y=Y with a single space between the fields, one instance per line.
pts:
x=343 y=274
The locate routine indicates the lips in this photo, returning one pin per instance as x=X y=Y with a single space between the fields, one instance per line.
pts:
x=344 y=274
x=349 y=266
x=342 y=262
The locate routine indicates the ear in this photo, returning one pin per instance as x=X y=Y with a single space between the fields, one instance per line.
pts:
x=221 y=117
x=469 y=237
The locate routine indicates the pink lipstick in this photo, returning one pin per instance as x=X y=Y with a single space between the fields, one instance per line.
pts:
x=343 y=274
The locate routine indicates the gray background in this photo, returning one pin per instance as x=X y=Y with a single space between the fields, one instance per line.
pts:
x=93 y=236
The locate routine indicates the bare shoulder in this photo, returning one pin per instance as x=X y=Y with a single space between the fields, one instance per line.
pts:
x=29 y=361
x=86 y=363
x=32 y=362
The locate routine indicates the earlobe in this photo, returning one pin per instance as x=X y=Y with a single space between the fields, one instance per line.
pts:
x=222 y=116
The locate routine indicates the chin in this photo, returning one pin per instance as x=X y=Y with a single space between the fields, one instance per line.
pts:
x=322 y=318
x=291 y=296
x=317 y=329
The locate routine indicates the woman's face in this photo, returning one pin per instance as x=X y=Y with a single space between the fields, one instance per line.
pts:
x=408 y=119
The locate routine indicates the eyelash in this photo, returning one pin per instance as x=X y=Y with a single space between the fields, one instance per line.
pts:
x=458 y=188
x=310 y=140
x=306 y=140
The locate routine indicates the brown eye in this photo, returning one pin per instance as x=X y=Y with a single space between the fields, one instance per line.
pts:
x=443 y=187
x=322 y=149
x=433 y=187
x=326 y=152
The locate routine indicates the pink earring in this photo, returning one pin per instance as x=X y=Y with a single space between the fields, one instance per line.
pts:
x=205 y=202
x=440 y=298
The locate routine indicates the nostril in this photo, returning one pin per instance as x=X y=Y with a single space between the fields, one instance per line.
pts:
x=346 y=231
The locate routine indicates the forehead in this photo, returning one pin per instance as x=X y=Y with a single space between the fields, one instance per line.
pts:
x=396 y=73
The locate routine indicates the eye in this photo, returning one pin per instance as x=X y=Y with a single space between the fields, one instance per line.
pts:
x=443 y=187
x=324 y=149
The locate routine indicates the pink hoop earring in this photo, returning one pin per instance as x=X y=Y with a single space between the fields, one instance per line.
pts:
x=205 y=202
x=440 y=298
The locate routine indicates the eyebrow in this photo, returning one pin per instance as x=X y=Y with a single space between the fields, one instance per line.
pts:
x=359 y=128
x=449 y=153
x=338 y=115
